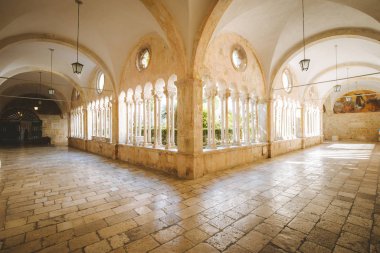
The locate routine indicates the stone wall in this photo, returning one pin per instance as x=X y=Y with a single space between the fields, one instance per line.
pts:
x=105 y=149
x=285 y=146
x=217 y=160
x=55 y=127
x=159 y=159
x=312 y=141
x=352 y=126
x=180 y=164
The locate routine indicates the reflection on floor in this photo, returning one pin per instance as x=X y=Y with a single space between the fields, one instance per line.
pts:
x=322 y=199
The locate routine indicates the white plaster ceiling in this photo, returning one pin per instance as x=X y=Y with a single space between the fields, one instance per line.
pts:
x=274 y=27
x=28 y=56
x=108 y=28
x=189 y=15
x=356 y=56
x=29 y=83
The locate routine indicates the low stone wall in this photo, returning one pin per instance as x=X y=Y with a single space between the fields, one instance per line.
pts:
x=77 y=143
x=189 y=166
x=312 y=141
x=221 y=159
x=105 y=149
x=285 y=146
x=159 y=159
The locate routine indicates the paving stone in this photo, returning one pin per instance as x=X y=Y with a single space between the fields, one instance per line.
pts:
x=179 y=244
x=301 y=225
x=99 y=247
x=323 y=237
x=288 y=239
x=142 y=245
x=247 y=223
x=353 y=242
x=225 y=238
x=308 y=246
x=196 y=235
x=204 y=248
x=254 y=241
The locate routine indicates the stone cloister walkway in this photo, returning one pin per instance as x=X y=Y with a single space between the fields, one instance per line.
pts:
x=322 y=199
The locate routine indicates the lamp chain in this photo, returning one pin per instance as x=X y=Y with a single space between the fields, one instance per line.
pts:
x=78 y=31
x=303 y=30
x=336 y=64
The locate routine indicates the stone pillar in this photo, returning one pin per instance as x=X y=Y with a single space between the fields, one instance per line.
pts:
x=208 y=101
x=135 y=127
x=221 y=95
x=145 y=121
x=213 y=140
x=173 y=120
x=155 y=118
x=233 y=98
x=113 y=121
x=127 y=122
x=237 y=119
x=159 y=121
x=246 y=120
x=169 y=117
x=189 y=136
x=226 y=126
x=149 y=112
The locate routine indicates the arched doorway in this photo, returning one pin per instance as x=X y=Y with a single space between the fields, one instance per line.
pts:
x=20 y=126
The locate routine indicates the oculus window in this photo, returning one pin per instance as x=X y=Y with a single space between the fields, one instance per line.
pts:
x=287 y=81
x=143 y=59
x=239 y=58
x=100 y=83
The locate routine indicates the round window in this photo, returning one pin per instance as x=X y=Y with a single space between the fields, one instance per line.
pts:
x=143 y=59
x=287 y=81
x=100 y=83
x=239 y=58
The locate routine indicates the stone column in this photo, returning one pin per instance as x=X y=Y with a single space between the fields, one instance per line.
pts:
x=234 y=133
x=111 y=113
x=238 y=140
x=149 y=111
x=173 y=121
x=246 y=121
x=159 y=121
x=168 y=117
x=145 y=121
x=189 y=138
x=222 y=99
x=226 y=126
x=127 y=122
x=155 y=118
x=135 y=127
x=208 y=101
x=213 y=140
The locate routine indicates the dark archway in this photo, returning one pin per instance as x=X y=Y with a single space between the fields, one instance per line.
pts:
x=18 y=126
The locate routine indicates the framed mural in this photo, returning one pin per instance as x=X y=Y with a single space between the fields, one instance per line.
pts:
x=358 y=101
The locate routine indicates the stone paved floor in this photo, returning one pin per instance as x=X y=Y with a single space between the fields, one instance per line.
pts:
x=323 y=199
